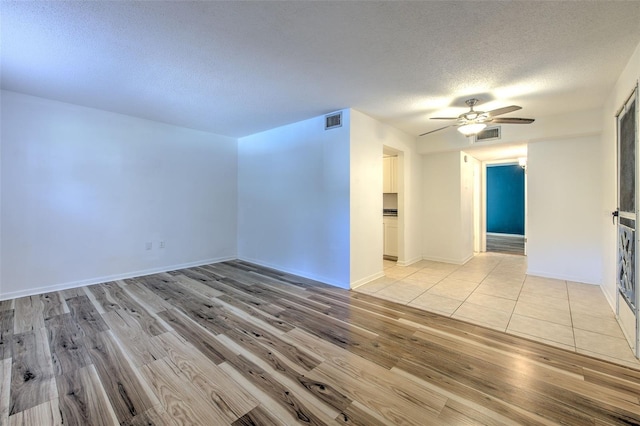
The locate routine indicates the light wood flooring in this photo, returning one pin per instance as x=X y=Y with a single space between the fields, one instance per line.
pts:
x=236 y=344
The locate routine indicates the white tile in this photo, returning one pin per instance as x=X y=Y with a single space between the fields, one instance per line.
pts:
x=375 y=285
x=543 y=281
x=483 y=315
x=427 y=277
x=602 y=324
x=400 y=292
x=633 y=363
x=411 y=281
x=539 y=299
x=507 y=275
x=541 y=340
x=499 y=290
x=399 y=272
x=453 y=289
x=542 y=329
x=449 y=267
x=388 y=264
x=543 y=312
x=586 y=289
x=594 y=307
x=547 y=290
x=603 y=344
x=421 y=264
x=493 y=302
x=435 y=303
x=503 y=280
x=472 y=276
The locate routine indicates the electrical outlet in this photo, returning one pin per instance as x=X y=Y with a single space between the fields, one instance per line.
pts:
x=148 y=246
x=161 y=244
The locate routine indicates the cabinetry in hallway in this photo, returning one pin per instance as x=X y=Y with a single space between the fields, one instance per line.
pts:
x=389 y=175
x=390 y=232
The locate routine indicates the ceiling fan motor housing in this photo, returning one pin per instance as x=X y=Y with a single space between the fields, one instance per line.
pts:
x=473 y=116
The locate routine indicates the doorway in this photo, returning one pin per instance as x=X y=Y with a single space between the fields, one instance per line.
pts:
x=505 y=196
x=392 y=203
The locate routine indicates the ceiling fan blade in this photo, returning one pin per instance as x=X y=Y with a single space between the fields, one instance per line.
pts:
x=512 y=120
x=432 y=131
x=504 y=110
x=444 y=118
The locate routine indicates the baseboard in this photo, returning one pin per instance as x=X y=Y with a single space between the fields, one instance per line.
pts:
x=98 y=280
x=409 y=262
x=626 y=312
x=299 y=273
x=363 y=281
x=448 y=260
x=582 y=280
x=611 y=301
x=612 y=305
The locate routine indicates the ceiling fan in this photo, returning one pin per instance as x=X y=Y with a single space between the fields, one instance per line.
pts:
x=472 y=121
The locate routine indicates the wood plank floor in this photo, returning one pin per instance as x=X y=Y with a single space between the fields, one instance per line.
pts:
x=501 y=243
x=237 y=344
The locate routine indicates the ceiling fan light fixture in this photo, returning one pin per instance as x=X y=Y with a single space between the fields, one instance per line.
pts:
x=471 y=129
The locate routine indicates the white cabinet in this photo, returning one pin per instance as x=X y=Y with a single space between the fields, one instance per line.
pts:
x=390 y=224
x=390 y=175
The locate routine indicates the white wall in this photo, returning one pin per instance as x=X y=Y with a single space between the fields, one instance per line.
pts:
x=447 y=218
x=368 y=138
x=366 y=199
x=293 y=200
x=564 y=209
x=83 y=190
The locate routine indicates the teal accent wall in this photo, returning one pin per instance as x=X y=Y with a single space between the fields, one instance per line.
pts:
x=505 y=199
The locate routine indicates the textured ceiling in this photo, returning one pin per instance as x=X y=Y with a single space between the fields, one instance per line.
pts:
x=237 y=68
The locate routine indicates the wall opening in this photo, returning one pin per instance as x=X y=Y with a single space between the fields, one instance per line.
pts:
x=393 y=205
x=505 y=208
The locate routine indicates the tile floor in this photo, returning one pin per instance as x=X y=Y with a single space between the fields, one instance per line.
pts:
x=493 y=290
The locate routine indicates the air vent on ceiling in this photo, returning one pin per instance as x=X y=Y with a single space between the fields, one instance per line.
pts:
x=331 y=121
x=489 y=134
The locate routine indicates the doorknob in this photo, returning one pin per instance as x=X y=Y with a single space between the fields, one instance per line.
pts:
x=615 y=214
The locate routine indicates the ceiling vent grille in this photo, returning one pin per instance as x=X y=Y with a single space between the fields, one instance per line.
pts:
x=489 y=134
x=331 y=121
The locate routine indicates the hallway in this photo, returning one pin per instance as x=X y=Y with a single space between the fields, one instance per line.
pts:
x=494 y=291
